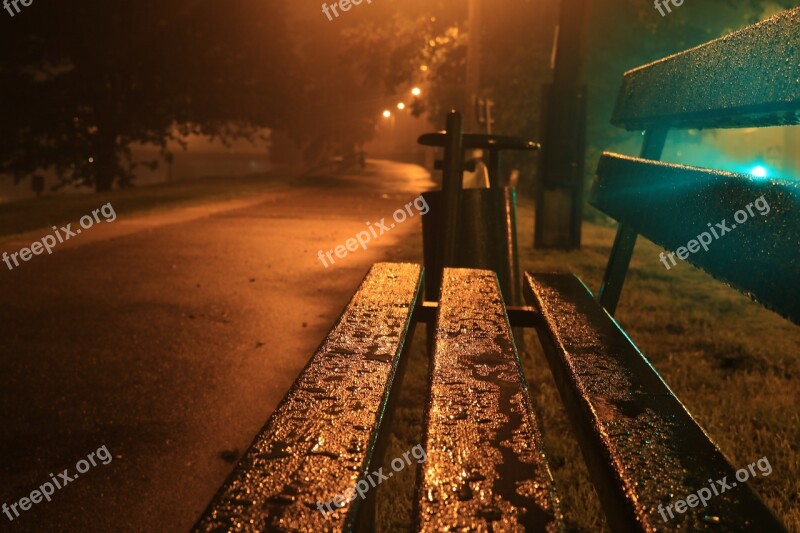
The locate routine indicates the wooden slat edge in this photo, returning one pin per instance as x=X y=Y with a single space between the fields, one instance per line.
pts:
x=641 y=445
x=485 y=467
x=672 y=204
x=322 y=435
x=745 y=79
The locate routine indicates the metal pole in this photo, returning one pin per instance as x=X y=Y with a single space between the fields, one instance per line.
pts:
x=451 y=186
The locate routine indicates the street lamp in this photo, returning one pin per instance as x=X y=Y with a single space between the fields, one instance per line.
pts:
x=416 y=91
x=401 y=106
x=387 y=114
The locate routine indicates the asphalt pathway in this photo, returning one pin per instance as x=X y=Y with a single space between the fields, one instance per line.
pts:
x=169 y=340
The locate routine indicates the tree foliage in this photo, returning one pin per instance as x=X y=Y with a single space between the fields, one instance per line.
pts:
x=82 y=82
x=353 y=67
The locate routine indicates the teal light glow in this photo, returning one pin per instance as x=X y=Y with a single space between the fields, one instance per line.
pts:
x=759 y=171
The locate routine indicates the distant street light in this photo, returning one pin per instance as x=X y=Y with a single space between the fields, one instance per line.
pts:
x=401 y=106
x=416 y=91
x=387 y=114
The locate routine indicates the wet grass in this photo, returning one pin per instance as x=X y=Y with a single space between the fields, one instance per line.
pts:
x=394 y=506
x=41 y=213
x=733 y=364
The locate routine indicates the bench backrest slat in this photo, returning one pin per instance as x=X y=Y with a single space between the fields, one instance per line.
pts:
x=671 y=205
x=485 y=469
x=642 y=447
x=322 y=437
x=748 y=78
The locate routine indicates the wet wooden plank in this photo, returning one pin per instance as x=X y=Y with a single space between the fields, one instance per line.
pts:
x=746 y=79
x=671 y=204
x=485 y=469
x=322 y=436
x=643 y=448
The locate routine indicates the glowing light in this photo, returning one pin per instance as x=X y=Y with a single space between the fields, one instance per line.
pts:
x=759 y=171
x=424 y=68
x=91 y=160
x=387 y=114
x=401 y=106
x=416 y=91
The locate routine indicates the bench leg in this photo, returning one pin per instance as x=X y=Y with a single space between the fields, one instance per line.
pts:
x=614 y=278
x=617 y=268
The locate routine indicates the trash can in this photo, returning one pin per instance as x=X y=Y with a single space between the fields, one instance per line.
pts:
x=485 y=239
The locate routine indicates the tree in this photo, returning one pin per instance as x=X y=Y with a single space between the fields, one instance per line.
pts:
x=333 y=110
x=516 y=40
x=374 y=55
x=351 y=68
x=82 y=82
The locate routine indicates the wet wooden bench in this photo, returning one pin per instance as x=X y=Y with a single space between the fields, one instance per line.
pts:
x=486 y=469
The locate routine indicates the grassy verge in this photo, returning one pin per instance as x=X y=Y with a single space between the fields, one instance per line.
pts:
x=37 y=213
x=733 y=364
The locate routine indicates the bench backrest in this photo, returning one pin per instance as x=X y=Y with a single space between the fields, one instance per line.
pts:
x=750 y=78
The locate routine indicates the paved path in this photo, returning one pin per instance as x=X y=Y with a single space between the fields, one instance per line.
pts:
x=170 y=339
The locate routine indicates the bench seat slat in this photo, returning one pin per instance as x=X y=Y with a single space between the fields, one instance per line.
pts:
x=485 y=469
x=673 y=204
x=640 y=443
x=749 y=78
x=322 y=436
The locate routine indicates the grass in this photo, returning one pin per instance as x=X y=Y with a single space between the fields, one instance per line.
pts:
x=733 y=364
x=38 y=213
